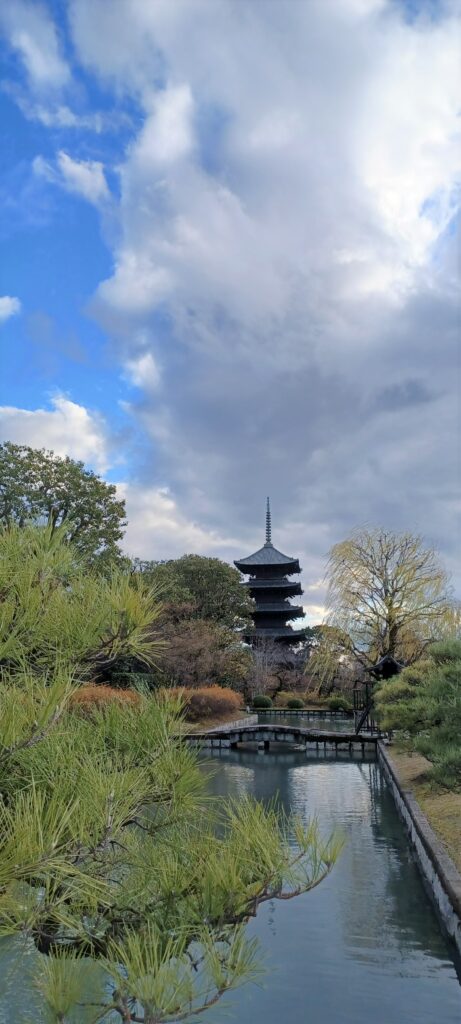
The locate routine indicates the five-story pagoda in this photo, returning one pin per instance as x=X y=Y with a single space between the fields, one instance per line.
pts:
x=271 y=589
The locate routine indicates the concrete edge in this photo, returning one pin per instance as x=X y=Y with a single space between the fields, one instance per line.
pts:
x=435 y=864
x=236 y=723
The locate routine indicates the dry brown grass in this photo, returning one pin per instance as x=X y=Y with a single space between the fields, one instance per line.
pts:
x=441 y=807
x=94 y=696
x=206 y=703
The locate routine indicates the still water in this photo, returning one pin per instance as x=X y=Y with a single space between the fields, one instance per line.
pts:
x=365 y=946
x=309 y=721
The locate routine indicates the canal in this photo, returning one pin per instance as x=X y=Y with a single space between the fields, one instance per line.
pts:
x=332 y=723
x=366 y=945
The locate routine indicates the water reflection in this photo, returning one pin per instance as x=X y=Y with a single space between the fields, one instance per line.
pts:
x=313 y=722
x=366 y=945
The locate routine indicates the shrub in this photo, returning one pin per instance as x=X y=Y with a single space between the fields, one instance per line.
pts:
x=295 y=704
x=93 y=695
x=311 y=698
x=206 y=701
x=130 y=680
x=445 y=651
x=338 y=702
x=261 y=701
x=446 y=765
x=281 y=698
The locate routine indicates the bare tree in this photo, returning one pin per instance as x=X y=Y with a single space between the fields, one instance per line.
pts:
x=388 y=595
x=266 y=660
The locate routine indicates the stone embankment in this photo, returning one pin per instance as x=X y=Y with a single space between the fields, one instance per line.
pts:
x=441 y=875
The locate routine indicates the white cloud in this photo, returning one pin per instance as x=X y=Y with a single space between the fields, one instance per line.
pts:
x=9 y=306
x=67 y=429
x=61 y=116
x=332 y=144
x=84 y=177
x=409 y=152
x=33 y=35
x=143 y=372
x=158 y=529
x=137 y=285
x=285 y=236
x=167 y=133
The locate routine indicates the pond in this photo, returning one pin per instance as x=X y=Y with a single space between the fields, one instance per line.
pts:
x=332 y=723
x=365 y=945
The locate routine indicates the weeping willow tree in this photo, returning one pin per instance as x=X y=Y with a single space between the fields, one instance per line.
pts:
x=387 y=595
x=133 y=888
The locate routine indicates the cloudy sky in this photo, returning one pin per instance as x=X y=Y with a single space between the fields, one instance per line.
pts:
x=229 y=263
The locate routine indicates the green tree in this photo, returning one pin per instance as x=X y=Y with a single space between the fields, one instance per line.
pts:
x=112 y=860
x=52 y=608
x=206 y=587
x=388 y=595
x=37 y=486
x=424 y=703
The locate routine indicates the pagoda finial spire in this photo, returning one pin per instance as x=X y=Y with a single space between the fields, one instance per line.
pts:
x=268 y=522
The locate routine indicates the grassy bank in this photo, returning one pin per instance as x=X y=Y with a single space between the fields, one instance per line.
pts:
x=441 y=806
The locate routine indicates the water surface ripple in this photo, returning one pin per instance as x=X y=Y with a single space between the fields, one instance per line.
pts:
x=366 y=945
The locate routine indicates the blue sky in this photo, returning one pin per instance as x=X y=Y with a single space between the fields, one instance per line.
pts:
x=228 y=263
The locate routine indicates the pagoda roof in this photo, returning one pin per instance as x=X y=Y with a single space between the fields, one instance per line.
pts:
x=290 y=611
x=277 y=583
x=276 y=633
x=267 y=555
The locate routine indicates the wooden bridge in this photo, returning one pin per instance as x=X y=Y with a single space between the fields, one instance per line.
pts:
x=265 y=736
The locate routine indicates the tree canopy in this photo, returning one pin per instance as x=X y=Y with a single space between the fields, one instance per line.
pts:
x=53 y=609
x=207 y=587
x=388 y=595
x=37 y=486
x=424 y=703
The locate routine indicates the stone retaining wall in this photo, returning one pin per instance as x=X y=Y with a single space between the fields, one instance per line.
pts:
x=236 y=723
x=439 y=871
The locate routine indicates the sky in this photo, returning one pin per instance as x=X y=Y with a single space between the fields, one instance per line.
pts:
x=229 y=265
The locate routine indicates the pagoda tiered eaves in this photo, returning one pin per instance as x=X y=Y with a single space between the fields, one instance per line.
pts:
x=268 y=570
x=291 y=611
x=288 y=588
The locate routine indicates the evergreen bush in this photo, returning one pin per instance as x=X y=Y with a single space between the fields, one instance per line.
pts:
x=261 y=701
x=424 y=704
x=339 y=702
x=294 y=704
x=131 y=680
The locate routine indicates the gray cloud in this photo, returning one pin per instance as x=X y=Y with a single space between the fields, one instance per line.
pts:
x=402 y=394
x=284 y=253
